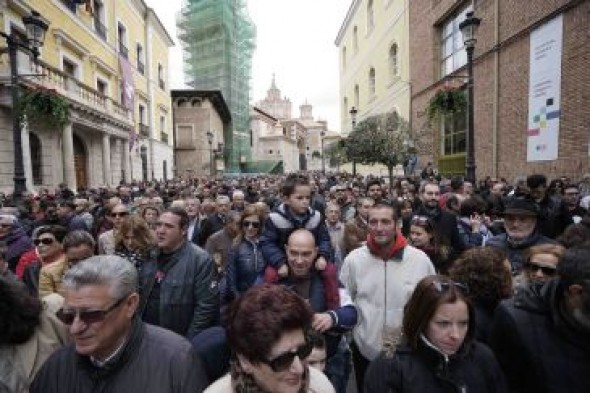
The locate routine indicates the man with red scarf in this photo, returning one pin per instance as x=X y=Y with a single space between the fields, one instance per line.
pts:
x=380 y=277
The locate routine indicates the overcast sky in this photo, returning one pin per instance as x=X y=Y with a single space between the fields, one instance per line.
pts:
x=295 y=40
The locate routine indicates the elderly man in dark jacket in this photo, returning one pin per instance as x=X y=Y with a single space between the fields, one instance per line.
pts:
x=541 y=337
x=179 y=288
x=113 y=350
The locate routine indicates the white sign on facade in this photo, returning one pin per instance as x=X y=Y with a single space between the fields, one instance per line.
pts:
x=545 y=91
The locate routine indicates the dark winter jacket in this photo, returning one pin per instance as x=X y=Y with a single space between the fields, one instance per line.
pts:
x=472 y=370
x=245 y=265
x=279 y=226
x=152 y=360
x=17 y=243
x=213 y=223
x=553 y=217
x=189 y=297
x=537 y=345
x=516 y=251
x=445 y=225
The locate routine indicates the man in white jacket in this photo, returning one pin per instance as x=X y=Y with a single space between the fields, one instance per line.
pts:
x=380 y=277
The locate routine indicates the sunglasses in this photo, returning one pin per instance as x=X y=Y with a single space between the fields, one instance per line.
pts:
x=283 y=362
x=532 y=267
x=253 y=224
x=46 y=241
x=445 y=286
x=87 y=317
x=120 y=214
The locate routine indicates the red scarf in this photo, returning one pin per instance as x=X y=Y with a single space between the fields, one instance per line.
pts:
x=389 y=251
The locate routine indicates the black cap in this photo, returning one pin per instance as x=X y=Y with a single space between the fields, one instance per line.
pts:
x=521 y=207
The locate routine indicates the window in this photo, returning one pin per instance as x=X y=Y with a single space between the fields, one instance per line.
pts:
x=370 y=17
x=161 y=77
x=356 y=96
x=162 y=124
x=71 y=5
x=453 y=55
x=141 y=114
x=101 y=86
x=393 y=63
x=99 y=17
x=344 y=57
x=371 y=83
x=454 y=133
x=355 y=39
x=36 y=158
x=139 y=54
x=345 y=106
x=122 y=33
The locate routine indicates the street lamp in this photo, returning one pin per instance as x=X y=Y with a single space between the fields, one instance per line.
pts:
x=210 y=140
x=322 y=134
x=468 y=28
x=353 y=112
x=36 y=29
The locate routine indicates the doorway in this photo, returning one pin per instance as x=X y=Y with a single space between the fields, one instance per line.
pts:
x=80 y=162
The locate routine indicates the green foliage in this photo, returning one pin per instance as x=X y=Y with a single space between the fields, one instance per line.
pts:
x=44 y=105
x=385 y=139
x=316 y=154
x=336 y=153
x=446 y=101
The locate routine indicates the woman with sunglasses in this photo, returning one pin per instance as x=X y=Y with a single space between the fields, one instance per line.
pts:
x=266 y=335
x=541 y=262
x=106 y=241
x=437 y=351
x=245 y=263
x=52 y=259
x=424 y=237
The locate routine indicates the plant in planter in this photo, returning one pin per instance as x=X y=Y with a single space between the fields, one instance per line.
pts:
x=44 y=105
x=446 y=101
x=316 y=154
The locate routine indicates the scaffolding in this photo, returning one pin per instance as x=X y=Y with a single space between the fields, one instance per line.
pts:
x=218 y=40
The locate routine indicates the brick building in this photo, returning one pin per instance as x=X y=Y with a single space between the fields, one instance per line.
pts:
x=502 y=64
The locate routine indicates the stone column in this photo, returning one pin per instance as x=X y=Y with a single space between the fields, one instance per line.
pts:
x=68 y=157
x=106 y=160
x=26 y=145
x=125 y=164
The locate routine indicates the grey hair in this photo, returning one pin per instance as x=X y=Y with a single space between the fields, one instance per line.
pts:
x=222 y=199
x=238 y=192
x=111 y=270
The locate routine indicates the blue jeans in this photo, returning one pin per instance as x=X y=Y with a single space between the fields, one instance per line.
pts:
x=338 y=367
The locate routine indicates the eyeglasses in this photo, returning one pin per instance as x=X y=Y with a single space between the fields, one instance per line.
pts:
x=88 y=317
x=46 y=241
x=120 y=214
x=445 y=286
x=533 y=267
x=253 y=224
x=284 y=361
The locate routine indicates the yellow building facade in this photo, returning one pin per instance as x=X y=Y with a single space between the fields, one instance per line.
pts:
x=110 y=137
x=374 y=64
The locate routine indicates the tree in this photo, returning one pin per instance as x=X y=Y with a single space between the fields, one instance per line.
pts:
x=385 y=139
x=336 y=153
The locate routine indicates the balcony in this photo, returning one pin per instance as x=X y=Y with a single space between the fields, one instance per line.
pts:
x=164 y=137
x=140 y=67
x=144 y=130
x=100 y=28
x=123 y=50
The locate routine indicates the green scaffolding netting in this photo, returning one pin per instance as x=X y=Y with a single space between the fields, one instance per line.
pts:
x=218 y=39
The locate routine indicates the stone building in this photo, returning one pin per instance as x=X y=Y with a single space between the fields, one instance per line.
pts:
x=514 y=38
x=197 y=113
x=110 y=136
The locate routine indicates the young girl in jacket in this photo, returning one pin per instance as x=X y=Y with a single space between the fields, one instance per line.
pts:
x=437 y=351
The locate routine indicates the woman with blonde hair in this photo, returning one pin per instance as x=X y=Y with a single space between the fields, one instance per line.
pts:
x=134 y=241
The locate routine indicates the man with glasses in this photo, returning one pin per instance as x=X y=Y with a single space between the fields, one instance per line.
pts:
x=106 y=241
x=541 y=337
x=112 y=349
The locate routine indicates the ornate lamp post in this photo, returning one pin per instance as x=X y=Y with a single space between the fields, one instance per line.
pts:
x=353 y=111
x=322 y=135
x=468 y=28
x=210 y=141
x=36 y=29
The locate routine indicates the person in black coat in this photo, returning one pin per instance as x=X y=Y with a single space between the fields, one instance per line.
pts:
x=438 y=351
x=216 y=221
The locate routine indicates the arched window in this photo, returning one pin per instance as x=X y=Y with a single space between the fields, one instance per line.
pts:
x=36 y=158
x=344 y=57
x=393 y=61
x=355 y=39
x=356 y=96
x=370 y=16
x=371 y=82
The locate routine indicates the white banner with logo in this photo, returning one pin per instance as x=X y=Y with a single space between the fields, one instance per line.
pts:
x=544 y=91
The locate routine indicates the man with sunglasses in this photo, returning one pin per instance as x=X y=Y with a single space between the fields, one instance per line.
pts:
x=106 y=241
x=113 y=350
x=541 y=337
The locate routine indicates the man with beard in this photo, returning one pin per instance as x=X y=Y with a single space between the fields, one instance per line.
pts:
x=541 y=337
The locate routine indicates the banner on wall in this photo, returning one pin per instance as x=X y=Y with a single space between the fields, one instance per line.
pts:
x=544 y=91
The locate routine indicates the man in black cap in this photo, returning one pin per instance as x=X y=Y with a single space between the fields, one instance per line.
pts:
x=520 y=221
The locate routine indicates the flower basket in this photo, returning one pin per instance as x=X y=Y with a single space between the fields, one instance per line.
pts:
x=446 y=101
x=44 y=105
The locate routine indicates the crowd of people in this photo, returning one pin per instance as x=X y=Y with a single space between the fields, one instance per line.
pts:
x=298 y=283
